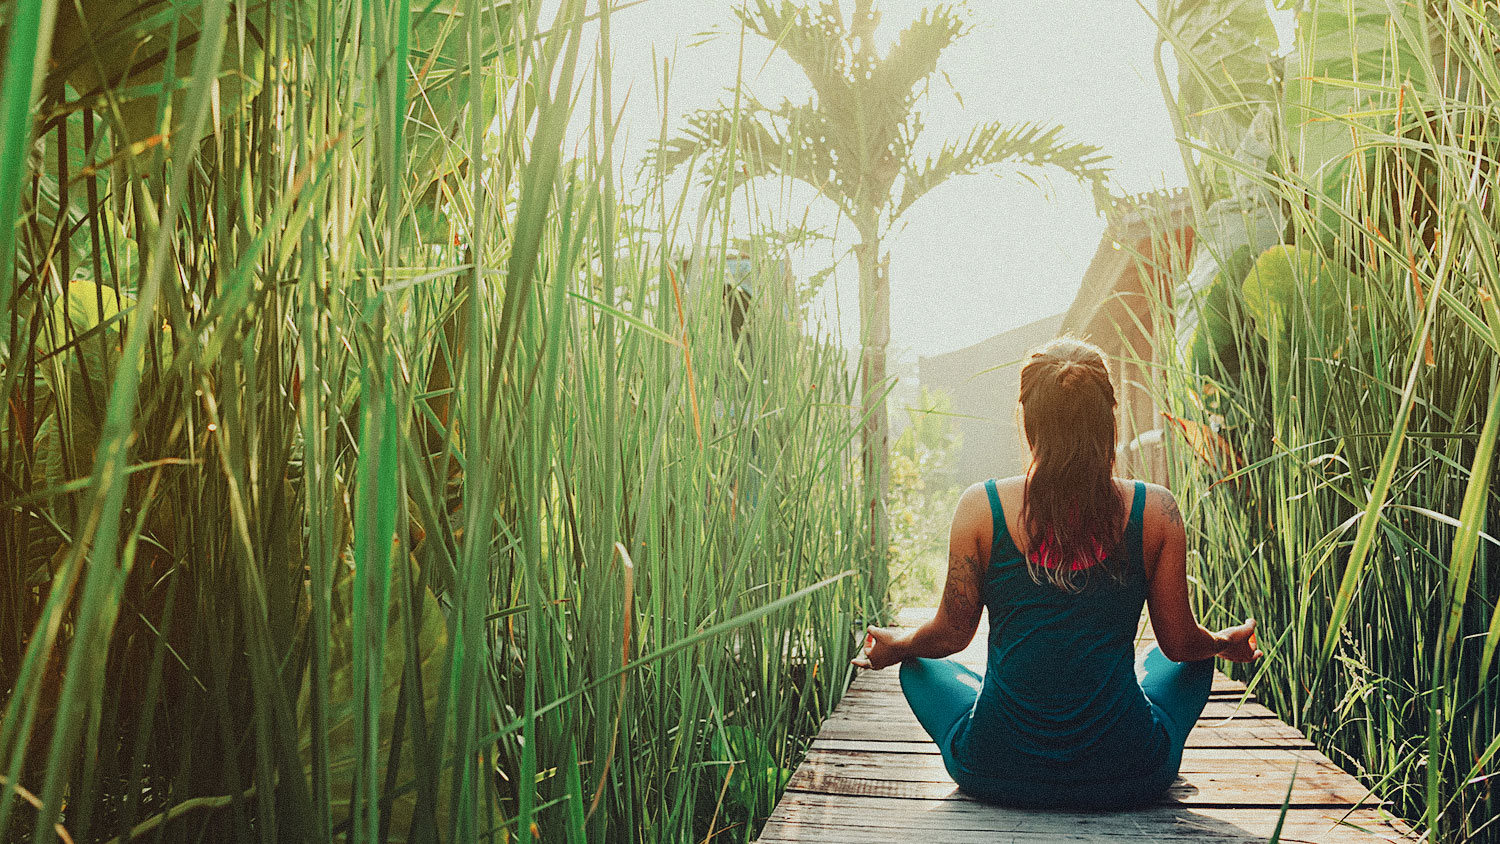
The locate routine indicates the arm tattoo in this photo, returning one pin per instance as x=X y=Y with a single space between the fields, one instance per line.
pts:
x=961 y=593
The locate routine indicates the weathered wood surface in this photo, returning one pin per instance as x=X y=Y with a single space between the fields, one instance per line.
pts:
x=873 y=775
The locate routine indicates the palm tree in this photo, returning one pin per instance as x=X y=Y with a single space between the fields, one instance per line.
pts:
x=855 y=141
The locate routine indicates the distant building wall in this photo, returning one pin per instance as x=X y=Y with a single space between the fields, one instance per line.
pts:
x=1122 y=301
x=985 y=401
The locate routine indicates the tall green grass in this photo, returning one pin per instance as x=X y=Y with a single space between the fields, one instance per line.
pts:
x=1343 y=387
x=371 y=472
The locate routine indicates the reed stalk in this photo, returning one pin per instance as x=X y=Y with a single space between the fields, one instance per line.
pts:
x=371 y=472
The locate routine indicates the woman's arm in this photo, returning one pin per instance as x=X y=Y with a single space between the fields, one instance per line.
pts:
x=1178 y=633
x=951 y=630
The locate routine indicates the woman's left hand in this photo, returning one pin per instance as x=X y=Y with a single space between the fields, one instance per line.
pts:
x=883 y=646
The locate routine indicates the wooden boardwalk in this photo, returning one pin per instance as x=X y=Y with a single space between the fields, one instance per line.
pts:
x=873 y=775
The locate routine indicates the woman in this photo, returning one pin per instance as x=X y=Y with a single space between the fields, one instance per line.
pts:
x=1063 y=558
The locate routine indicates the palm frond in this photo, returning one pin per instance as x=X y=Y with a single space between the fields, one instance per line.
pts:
x=915 y=54
x=993 y=144
x=791 y=141
x=816 y=40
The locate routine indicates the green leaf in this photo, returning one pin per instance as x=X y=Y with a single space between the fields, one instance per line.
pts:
x=754 y=778
x=1339 y=42
x=26 y=53
x=1293 y=283
x=1226 y=56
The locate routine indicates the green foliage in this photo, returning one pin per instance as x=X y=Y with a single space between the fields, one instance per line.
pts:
x=1227 y=64
x=369 y=473
x=1352 y=55
x=930 y=438
x=1353 y=376
x=1214 y=343
x=748 y=775
x=78 y=347
x=924 y=494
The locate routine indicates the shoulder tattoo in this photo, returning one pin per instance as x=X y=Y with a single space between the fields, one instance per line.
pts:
x=1169 y=508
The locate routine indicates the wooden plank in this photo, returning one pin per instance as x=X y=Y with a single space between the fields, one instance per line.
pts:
x=832 y=819
x=1229 y=830
x=925 y=746
x=1262 y=788
x=929 y=766
x=873 y=775
x=1247 y=733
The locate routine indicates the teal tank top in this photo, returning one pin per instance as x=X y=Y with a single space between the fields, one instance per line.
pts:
x=1061 y=706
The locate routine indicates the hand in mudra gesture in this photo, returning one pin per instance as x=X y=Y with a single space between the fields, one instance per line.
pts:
x=882 y=648
x=1241 y=645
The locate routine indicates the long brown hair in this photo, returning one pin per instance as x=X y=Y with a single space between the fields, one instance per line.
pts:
x=1072 y=510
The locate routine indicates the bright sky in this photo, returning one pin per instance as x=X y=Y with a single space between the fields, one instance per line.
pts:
x=981 y=254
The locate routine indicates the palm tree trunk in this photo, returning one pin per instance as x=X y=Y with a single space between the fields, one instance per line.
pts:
x=875 y=335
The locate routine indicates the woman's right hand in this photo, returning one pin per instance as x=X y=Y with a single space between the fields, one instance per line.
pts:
x=1240 y=642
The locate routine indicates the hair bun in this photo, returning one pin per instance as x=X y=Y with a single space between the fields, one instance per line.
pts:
x=1069 y=373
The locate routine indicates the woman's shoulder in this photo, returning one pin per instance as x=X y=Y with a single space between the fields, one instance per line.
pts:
x=1153 y=490
x=979 y=490
x=1159 y=499
x=975 y=500
x=976 y=504
x=1009 y=490
x=1014 y=482
x=1006 y=481
x=1161 y=517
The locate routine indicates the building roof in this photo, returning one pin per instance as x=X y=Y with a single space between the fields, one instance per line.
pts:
x=1111 y=276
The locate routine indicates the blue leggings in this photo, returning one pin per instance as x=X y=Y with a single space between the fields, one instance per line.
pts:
x=941 y=691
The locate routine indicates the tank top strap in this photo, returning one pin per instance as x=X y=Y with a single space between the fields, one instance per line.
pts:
x=997 y=515
x=1002 y=547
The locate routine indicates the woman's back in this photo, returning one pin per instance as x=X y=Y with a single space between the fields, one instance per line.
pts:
x=1064 y=716
x=1060 y=705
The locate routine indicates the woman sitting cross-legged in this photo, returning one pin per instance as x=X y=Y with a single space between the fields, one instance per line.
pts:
x=1063 y=558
